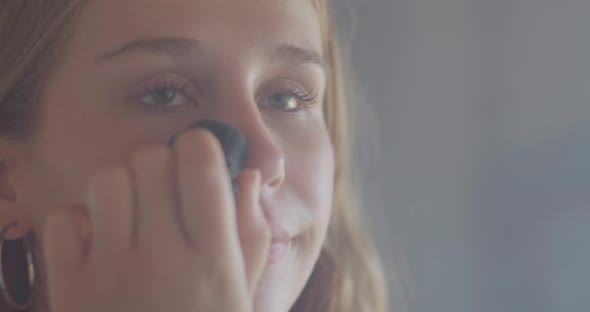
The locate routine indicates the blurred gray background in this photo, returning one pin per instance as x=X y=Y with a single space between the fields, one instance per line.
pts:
x=481 y=201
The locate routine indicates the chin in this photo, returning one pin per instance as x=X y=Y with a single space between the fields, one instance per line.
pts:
x=275 y=296
x=282 y=282
x=270 y=302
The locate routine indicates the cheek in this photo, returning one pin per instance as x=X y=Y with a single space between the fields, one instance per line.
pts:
x=310 y=171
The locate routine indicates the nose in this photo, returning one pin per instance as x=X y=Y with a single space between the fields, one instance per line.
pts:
x=264 y=153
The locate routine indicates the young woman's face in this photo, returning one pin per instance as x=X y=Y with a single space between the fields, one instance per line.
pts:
x=138 y=71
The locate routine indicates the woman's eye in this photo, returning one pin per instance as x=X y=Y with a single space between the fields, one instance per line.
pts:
x=293 y=100
x=285 y=101
x=165 y=97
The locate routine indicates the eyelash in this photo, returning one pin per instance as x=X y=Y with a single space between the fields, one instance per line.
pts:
x=306 y=98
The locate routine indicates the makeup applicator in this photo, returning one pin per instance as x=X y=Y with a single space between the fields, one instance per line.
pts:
x=232 y=142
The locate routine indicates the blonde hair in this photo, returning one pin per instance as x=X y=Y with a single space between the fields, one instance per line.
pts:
x=348 y=275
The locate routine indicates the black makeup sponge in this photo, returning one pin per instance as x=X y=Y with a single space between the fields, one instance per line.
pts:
x=232 y=142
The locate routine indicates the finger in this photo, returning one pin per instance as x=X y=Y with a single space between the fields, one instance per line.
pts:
x=207 y=202
x=157 y=218
x=255 y=234
x=62 y=247
x=110 y=204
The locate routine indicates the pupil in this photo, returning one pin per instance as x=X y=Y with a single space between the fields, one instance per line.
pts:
x=283 y=99
x=165 y=95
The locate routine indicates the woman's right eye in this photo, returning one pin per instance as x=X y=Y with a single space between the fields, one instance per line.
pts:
x=166 y=96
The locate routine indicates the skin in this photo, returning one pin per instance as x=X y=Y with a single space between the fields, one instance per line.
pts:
x=95 y=119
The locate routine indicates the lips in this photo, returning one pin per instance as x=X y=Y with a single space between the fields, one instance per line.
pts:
x=284 y=232
x=279 y=234
x=280 y=244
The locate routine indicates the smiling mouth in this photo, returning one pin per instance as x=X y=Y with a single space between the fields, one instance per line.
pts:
x=278 y=251
x=280 y=244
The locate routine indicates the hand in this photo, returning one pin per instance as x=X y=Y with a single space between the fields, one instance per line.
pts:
x=163 y=236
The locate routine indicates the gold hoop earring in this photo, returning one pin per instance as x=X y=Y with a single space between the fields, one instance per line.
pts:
x=31 y=272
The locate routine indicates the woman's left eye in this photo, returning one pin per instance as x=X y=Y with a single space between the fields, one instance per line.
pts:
x=286 y=101
x=293 y=100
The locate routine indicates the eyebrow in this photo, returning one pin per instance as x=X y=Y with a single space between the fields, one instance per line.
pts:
x=177 y=47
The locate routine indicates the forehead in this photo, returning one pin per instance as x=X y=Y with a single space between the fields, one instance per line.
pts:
x=232 y=24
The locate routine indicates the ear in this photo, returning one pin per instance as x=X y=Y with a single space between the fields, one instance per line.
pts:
x=11 y=208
